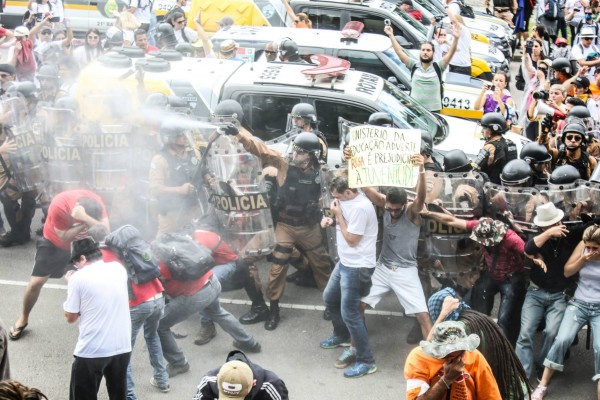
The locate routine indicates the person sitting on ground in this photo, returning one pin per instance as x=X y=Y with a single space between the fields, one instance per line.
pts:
x=449 y=366
x=13 y=390
x=253 y=382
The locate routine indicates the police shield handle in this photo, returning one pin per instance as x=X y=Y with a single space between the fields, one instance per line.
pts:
x=229 y=130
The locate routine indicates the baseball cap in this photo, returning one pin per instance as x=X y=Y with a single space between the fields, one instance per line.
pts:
x=21 y=31
x=582 y=81
x=235 y=380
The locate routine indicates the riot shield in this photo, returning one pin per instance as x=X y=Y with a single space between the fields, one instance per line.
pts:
x=61 y=151
x=453 y=254
x=26 y=162
x=580 y=197
x=514 y=206
x=327 y=175
x=239 y=197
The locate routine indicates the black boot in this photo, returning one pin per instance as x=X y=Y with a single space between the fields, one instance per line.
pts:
x=415 y=335
x=273 y=321
x=257 y=313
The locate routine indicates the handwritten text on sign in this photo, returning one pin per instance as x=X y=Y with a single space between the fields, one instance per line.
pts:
x=381 y=156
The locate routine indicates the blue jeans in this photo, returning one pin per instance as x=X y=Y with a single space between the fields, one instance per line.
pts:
x=223 y=273
x=576 y=315
x=539 y=305
x=182 y=307
x=512 y=294
x=342 y=299
x=148 y=315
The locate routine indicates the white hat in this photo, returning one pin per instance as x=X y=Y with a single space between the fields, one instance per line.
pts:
x=547 y=215
x=587 y=31
x=21 y=31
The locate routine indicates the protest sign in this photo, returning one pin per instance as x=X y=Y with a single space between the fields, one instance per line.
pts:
x=381 y=156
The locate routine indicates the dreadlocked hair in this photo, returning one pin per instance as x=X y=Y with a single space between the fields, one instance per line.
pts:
x=13 y=390
x=497 y=350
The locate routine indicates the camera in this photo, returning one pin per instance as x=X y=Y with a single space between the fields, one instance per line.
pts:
x=529 y=47
x=541 y=95
x=54 y=19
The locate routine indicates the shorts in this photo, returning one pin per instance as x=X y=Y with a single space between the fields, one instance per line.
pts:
x=404 y=282
x=49 y=260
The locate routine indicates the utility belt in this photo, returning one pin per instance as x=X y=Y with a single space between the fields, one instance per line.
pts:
x=292 y=221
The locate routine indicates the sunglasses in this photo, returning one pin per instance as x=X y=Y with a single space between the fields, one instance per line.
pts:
x=587 y=38
x=270 y=52
x=575 y=138
x=93 y=37
x=4 y=75
x=544 y=70
x=561 y=45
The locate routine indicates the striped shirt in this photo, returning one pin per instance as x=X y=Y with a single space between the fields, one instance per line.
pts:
x=426 y=89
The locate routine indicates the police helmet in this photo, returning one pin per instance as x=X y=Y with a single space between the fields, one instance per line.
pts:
x=307 y=141
x=116 y=39
x=177 y=102
x=169 y=132
x=288 y=49
x=456 y=161
x=562 y=64
x=27 y=89
x=564 y=175
x=47 y=71
x=380 y=119
x=579 y=112
x=186 y=49
x=535 y=153
x=229 y=108
x=574 y=127
x=304 y=110
x=516 y=173
x=426 y=144
x=68 y=103
x=157 y=100
x=495 y=122
x=166 y=35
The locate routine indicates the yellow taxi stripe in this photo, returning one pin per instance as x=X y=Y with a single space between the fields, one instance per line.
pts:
x=469 y=114
x=69 y=6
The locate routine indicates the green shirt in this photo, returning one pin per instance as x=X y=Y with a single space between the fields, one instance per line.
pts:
x=426 y=89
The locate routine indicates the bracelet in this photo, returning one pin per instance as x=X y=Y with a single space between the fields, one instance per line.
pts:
x=445 y=383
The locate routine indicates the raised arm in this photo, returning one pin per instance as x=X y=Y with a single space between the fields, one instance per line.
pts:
x=376 y=197
x=206 y=42
x=414 y=209
x=397 y=48
x=446 y=219
x=456 y=33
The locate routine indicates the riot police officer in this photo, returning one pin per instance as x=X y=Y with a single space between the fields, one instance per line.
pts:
x=297 y=208
x=173 y=179
x=572 y=150
x=516 y=173
x=303 y=118
x=456 y=161
x=564 y=175
x=165 y=36
x=288 y=52
x=47 y=75
x=538 y=158
x=497 y=150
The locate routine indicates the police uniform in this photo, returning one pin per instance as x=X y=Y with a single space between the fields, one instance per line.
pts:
x=298 y=213
x=172 y=170
x=500 y=151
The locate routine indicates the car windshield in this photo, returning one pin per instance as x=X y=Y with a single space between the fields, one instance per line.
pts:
x=418 y=28
x=409 y=114
x=427 y=9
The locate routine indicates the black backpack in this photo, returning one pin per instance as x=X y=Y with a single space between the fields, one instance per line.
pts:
x=186 y=259
x=135 y=253
x=465 y=10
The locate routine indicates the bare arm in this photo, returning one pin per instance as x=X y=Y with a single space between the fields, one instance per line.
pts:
x=578 y=259
x=397 y=48
x=71 y=317
x=480 y=99
x=206 y=43
x=414 y=209
x=289 y=11
x=69 y=37
x=456 y=33
x=376 y=198
x=447 y=219
x=350 y=238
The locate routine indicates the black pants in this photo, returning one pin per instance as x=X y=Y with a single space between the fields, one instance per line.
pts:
x=87 y=373
x=461 y=70
x=19 y=215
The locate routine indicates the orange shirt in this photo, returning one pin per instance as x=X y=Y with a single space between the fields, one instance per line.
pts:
x=422 y=371
x=595 y=91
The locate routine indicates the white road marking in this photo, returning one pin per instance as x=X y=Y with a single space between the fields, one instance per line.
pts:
x=308 y=307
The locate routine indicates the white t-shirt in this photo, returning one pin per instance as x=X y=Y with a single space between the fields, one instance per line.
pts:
x=40 y=8
x=191 y=34
x=82 y=56
x=143 y=10
x=454 y=7
x=58 y=10
x=569 y=6
x=579 y=51
x=361 y=219
x=98 y=292
x=462 y=56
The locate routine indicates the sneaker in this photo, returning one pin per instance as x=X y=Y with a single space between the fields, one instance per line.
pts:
x=256 y=348
x=164 y=389
x=539 y=393
x=173 y=370
x=360 y=369
x=346 y=359
x=334 y=341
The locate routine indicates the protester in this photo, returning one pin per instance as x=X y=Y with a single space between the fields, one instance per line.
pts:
x=449 y=366
x=497 y=98
x=91 y=48
x=13 y=390
x=141 y=41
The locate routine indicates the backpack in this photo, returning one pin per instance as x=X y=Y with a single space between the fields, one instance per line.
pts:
x=466 y=10
x=551 y=10
x=135 y=253
x=186 y=259
x=438 y=71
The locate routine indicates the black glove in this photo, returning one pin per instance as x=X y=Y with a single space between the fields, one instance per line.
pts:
x=488 y=11
x=230 y=129
x=547 y=124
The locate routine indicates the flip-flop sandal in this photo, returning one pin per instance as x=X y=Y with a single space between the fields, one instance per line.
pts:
x=16 y=333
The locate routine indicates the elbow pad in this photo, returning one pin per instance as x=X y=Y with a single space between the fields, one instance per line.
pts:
x=482 y=157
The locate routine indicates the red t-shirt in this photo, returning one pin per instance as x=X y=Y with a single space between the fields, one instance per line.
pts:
x=141 y=292
x=59 y=215
x=510 y=256
x=222 y=254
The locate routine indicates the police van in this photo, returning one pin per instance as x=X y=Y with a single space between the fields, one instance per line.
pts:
x=268 y=91
x=367 y=52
